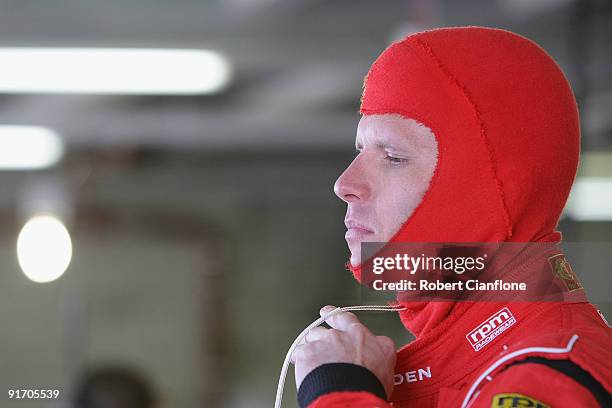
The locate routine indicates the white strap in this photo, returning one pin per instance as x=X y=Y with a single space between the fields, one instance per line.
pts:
x=300 y=337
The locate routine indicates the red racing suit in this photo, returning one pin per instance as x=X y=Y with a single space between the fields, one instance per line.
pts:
x=553 y=355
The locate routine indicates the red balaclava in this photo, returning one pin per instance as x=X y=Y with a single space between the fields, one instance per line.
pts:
x=506 y=123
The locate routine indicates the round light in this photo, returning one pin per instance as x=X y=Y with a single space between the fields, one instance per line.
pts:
x=44 y=248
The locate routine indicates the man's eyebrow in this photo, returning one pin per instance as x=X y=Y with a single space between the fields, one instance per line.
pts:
x=383 y=143
x=380 y=144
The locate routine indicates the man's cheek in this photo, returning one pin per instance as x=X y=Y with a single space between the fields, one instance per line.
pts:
x=391 y=224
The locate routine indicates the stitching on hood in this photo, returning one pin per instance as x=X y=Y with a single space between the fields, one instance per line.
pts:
x=483 y=131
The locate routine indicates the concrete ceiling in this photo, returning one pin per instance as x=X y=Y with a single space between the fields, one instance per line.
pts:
x=299 y=64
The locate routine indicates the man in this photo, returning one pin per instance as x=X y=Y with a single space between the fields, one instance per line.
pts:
x=114 y=387
x=467 y=134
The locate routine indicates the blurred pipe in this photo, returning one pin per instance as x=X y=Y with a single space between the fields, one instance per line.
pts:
x=75 y=310
x=580 y=13
x=214 y=295
x=525 y=9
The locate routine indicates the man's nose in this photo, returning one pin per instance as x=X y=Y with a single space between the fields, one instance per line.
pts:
x=351 y=186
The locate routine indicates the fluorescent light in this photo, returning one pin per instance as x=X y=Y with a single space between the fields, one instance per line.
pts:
x=112 y=71
x=29 y=147
x=590 y=199
x=44 y=248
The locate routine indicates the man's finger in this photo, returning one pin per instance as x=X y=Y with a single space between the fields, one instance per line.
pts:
x=340 y=321
x=315 y=334
x=306 y=351
x=296 y=352
x=386 y=343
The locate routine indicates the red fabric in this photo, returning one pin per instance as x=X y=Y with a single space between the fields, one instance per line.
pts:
x=348 y=399
x=446 y=354
x=508 y=135
x=536 y=381
x=507 y=128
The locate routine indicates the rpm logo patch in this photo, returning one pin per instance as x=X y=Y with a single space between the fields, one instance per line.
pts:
x=514 y=400
x=490 y=329
x=562 y=270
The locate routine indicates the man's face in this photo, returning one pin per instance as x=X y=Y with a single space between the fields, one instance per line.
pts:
x=387 y=179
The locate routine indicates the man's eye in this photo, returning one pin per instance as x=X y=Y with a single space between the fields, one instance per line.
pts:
x=395 y=160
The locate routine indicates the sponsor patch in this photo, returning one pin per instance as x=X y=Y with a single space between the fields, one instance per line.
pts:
x=412 y=376
x=490 y=329
x=514 y=400
x=562 y=270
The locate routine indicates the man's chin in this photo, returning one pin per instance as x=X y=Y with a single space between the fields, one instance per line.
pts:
x=355 y=250
x=355 y=260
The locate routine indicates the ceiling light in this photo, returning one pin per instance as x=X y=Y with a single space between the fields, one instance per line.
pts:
x=112 y=71
x=29 y=147
x=590 y=199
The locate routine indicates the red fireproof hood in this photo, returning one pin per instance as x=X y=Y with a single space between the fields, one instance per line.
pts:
x=506 y=123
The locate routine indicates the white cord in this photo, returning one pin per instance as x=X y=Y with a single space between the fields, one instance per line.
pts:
x=300 y=337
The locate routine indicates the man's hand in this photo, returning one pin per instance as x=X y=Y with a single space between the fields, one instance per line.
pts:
x=348 y=341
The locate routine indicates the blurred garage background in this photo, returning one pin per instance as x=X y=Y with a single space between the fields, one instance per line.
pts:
x=205 y=232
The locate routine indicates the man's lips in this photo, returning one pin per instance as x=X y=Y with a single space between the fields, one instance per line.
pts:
x=356 y=229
